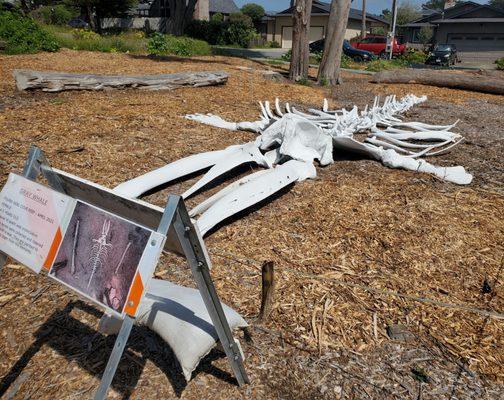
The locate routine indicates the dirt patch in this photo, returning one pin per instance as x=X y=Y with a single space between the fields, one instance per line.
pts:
x=357 y=250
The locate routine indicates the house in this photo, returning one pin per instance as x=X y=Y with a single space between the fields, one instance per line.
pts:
x=278 y=27
x=472 y=27
x=152 y=15
x=204 y=9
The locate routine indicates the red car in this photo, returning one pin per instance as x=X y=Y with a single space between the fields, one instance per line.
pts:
x=377 y=44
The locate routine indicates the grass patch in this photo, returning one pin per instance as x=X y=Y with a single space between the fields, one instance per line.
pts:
x=80 y=39
x=160 y=45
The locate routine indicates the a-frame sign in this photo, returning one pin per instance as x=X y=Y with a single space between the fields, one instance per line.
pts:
x=182 y=238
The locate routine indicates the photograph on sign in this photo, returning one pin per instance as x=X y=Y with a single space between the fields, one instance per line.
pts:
x=100 y=255
x=33 y=219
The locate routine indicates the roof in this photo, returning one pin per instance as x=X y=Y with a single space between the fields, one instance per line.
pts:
x=467 y=20
x=458 y=11
x=320 y=7
x=222 y=6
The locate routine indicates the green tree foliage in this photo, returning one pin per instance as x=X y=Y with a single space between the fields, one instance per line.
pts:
x=425 y=34
x=23 y=35
x=434 y=4
x=57 y=14
x=497 y=3
x=102 y=9
x=406 y=12
x=241 y=18
x=254 y=11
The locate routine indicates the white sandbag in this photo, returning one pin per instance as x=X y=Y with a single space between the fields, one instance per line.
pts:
x=177 y=314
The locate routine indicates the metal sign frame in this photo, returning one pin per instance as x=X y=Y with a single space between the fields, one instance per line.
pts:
x=182 y=238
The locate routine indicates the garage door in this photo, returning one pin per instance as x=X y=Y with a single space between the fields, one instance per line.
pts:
x=477 y=42
x=316 y=33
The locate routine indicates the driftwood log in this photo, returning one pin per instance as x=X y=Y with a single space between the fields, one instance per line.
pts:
x=465 y=81
x=57 y=81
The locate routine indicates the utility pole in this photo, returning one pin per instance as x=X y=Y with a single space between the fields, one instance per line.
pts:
x=363 y=28
x=392 y=32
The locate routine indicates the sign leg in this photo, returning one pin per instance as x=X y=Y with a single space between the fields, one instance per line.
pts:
x=115 y=357
x=195 y=254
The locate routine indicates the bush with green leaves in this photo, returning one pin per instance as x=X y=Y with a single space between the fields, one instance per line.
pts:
x=287 y=56
x=183 y=46
x=413 y=56
x=22 y=34
x=217 y=17
x=500 y=63
x=58 y=14
x=236 y=31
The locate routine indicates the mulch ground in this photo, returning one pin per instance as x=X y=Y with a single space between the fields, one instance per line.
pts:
x=389 y=282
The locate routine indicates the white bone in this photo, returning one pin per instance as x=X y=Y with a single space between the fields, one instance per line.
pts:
x=255 y=191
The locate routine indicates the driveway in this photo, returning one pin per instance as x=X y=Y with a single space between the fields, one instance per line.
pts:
x=482 y=60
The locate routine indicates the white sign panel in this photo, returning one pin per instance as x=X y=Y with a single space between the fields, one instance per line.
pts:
x=33 y=219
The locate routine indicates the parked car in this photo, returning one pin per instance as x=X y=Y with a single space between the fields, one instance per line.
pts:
x=348 y=50
x=443 y=54
x=377 y=44
x=78 y=23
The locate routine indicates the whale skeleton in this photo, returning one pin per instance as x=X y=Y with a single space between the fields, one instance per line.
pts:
x=288 y=143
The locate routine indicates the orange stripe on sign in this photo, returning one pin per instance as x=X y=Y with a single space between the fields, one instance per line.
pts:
x=134 y=296
x=53 y=250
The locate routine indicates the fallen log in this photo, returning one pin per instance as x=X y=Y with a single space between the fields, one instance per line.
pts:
x=57 y=81
x=464 y=81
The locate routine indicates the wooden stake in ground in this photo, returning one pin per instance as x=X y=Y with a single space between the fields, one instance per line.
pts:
x=58 y=81
x=329 y=70
x=268 y=290
x=473 y=82
x=300 y=51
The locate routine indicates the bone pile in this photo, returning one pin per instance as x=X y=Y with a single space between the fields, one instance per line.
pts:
x=288 y=143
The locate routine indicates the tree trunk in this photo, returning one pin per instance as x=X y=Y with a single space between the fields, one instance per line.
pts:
x=472 y=82
x=300 y=58
x=57 y=82
x=329 y=70
x=89 y=14
x=181 y=12
x=363 y=28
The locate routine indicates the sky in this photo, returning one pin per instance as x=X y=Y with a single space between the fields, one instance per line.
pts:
x=373 y=6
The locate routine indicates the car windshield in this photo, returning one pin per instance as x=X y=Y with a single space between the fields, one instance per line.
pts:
x=442 y=47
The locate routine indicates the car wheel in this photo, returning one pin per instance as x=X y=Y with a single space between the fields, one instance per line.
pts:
x=384 y=55
x=358 y=58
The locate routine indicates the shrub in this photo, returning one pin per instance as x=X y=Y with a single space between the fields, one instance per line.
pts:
x=157 y=44
x=85 y=34
x=380 y=65
x=500 y=63
x=233 y=32
x=414 y=57
x=274 y=45
x=287 y=56
x=58 y=14
x=217 y=17
x=160 y=44
x=23 y=35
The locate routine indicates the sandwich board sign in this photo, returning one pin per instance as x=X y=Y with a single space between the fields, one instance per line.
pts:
x=33 y=218
x=103 y=246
